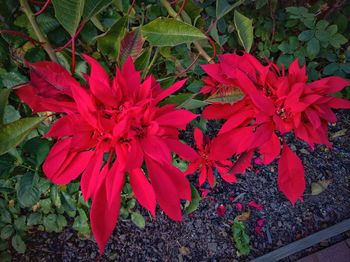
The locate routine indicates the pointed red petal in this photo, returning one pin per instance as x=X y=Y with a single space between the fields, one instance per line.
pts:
x=143 y=190
x=291 y=178
x=176 y=118
x=167 y=92
x=104 y=216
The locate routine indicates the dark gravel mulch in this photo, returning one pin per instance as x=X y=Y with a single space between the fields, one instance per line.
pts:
x=205 y=236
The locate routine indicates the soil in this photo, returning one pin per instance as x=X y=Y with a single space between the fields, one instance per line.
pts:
x=206 y=236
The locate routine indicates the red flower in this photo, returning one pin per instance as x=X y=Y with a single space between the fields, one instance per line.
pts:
x=110 y=129
x=273 y=102
x=208 y=157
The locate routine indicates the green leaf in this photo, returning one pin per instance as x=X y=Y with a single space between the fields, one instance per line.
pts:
x=11 y=114
x=331 y=68
x=306 y=35
x=138 y=219
x=14 y=133
x=241 y=237
x=45 y=205
x=28 y=193
x=20 y=223
x=68 y=13
x=313 y=47
x=4 y=94
x=131 y=45
x=194 y=204
x=7 y=231
x=10 y=79
x=5 y=216
x=338 y=40
x=194 y=103
x=34 y=219
x=244 y=27
x=109 y=42
x=61 y=222
x=50 y=223
x=18 y=244
x=223 y=8
x=94 y=7
x=67 y=202
x=170 y=32
x=55 y=196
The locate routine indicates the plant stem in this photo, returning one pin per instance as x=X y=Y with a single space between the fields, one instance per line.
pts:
x=173 y=14
x=41 y=37
x=144 y=74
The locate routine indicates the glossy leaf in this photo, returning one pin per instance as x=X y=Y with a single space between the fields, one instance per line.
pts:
x=170 y=32
x=194 y=204
x=94 y=7
x=244 y=27
x=28 y=193
x=18 y=244
x=223 y=7
x=68 y=13
x=109 y=42
x=138 y=219
x=14 y=133
x=131 y=45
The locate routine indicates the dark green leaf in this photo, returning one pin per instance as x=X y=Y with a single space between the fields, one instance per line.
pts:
x=28 y=193
x=244 y=27
x=67 y=202
x=330 y=69
x=109 y=42
x=94 y=7
x=68 y=13
x=5 y=216
x=306 y=35
x=14 y=133
x=4 y=94
x=20 y=223
x=50 y=223
x=223 y=7
x=241 y=237
x=18 y=244
x=313 y=47
x=11 y=114
x=10 y=79
x=170 y=32
x=7 y=231
x=338 y=40
x=34 y=219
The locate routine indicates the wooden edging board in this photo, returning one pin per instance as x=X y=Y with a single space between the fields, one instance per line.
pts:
x=304 y=243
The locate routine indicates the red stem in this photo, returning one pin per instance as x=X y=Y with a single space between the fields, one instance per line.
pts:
x=80 y=28
x=213 y=46
x=189 y=67
x=131 y=6
x=43 y=9
x=181 y=8
x=73 y=56
x=20 y=34
x=212 y=26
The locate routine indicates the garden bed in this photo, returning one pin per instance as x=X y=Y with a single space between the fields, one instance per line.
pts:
x=204 y=235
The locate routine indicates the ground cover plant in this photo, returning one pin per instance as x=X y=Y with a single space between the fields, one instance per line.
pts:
x=106 y=107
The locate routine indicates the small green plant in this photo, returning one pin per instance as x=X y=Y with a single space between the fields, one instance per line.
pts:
x=240 y=237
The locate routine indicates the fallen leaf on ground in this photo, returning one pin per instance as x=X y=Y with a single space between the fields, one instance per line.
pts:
x=243 y=217
x=319 y=186
x=339 y=133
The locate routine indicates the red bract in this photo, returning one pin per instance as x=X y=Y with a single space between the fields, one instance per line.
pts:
x=110 y=129
x=273 y=101
x=206 y=158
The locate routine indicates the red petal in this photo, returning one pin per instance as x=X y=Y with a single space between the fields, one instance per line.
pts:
x=271 y=149
x=157 y=149
x=243 y=162
x=255 y=205
x=143 y=190
x=99 y=82
x=165 y=190
x=184 y=151
x=61 y=128
x=291 y=178
x=236 y=120
x=167 y=92
x=177 y=118
x=104 y=216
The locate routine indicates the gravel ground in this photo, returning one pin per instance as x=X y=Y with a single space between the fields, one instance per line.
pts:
x=205 y=236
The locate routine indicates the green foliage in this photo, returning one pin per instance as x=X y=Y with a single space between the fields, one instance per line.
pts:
x=244 y=27
x=241 y=238
x=170 y=32
x=160 y=42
